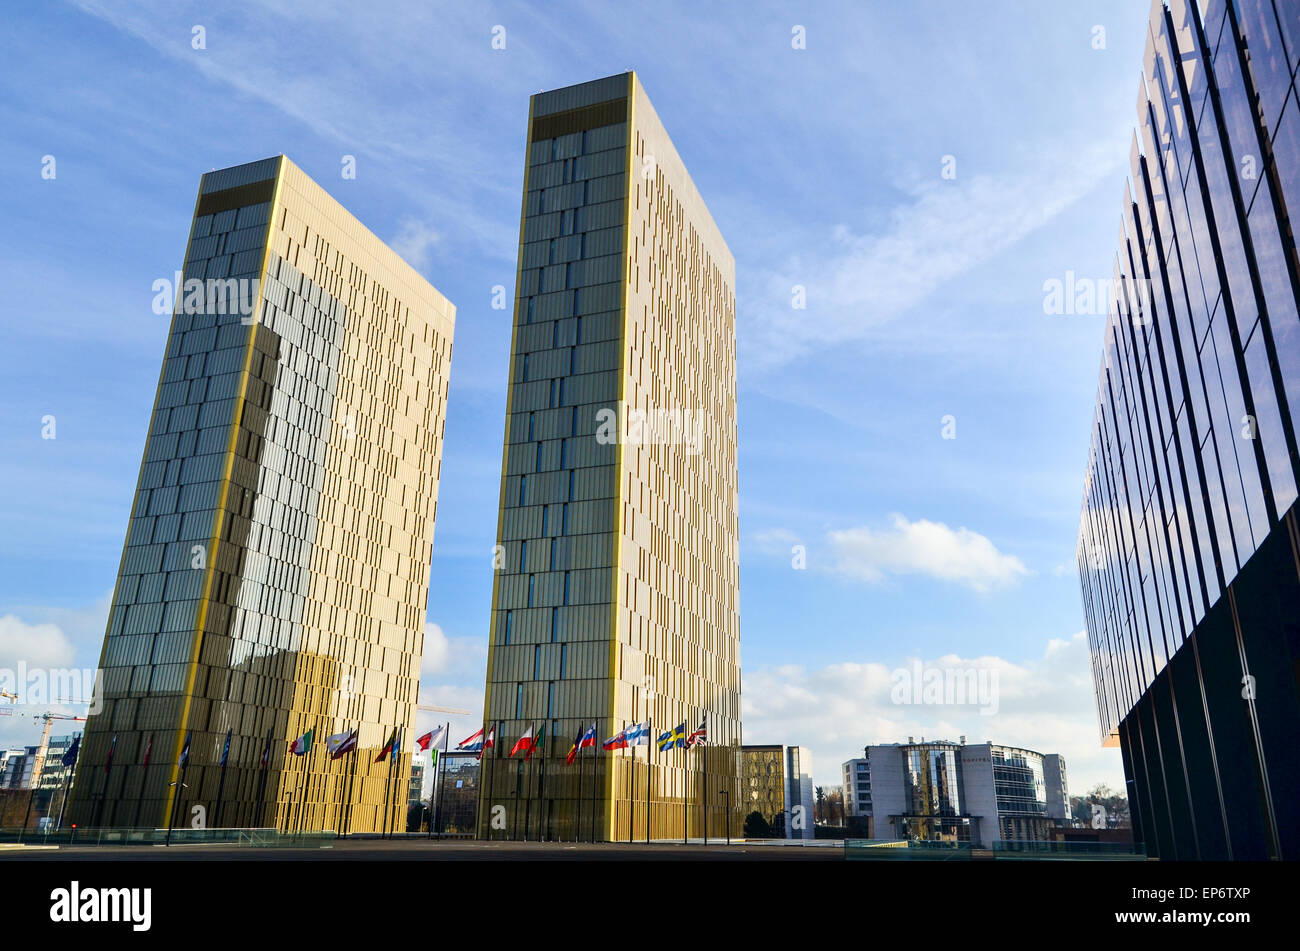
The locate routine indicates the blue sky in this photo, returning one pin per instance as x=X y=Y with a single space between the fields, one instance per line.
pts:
x=823 y=168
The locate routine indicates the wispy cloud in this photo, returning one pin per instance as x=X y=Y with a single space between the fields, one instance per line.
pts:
x=413 y=242
x=857 y=281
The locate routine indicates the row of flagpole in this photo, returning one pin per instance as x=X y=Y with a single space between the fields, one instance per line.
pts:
x=638 y=734
x=337 y=745
x=340 y=744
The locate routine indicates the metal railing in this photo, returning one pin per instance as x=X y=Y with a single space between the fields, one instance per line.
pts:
x=117 y=837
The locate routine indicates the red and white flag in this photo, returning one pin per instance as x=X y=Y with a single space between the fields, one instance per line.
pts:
x=525 y=743
x=432 y=738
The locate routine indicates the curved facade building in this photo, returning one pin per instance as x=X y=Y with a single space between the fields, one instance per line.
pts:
x=944 y=791
x=1187 y=550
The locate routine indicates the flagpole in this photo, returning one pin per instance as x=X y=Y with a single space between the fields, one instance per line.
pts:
x=686 y=797
x=180 y=785
x=103 y=791
x=542 y=810
x=442 y=790
x=541 y=798
x=649 y=766
x=495 y=755
x=397 y=798
x=388 y=791
x=388 y=782
x=595 y=731
x=542 y=792
x=63 y=804
x=528 y=776
x=518 y=776
x=294 y=818
x=595 y=786
x=704 y=776
x=346 y=821
x=631 y=799
x=439 y=764
x=577 y=822
x=261 y=783
x=144 y=776
x=66 y=780
x=139 y=797
x=221 y=783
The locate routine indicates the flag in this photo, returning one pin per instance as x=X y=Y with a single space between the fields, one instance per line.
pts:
x=673 y=739
x=266 y=751
x=108 y=763
x=341 y=743
x=537 y=741
x=638 y=734
x=302 y=745
x=432 y=738
x=185 y=750
x=586 y=738
x=700 y=737
x=70 y=757
x=490 y=742
x=616 y=742
x=148 y=751
x=471 y=744
x=524 y=743
x=388 y=747
x=433 y=757
x=225 y=749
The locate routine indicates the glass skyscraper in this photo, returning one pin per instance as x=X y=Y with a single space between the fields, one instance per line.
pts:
x=276 y=566
x=615 y=594
x=1188 y=553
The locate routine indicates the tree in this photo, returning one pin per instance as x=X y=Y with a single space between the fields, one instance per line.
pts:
x=1114 y=803
x=819 y=808
x=756 y=827
x=835 y=807
x=417 y=814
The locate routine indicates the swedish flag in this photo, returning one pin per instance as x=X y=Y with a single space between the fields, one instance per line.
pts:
x=674 y=738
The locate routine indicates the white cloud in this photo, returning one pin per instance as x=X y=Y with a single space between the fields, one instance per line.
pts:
x=28 y=652
x=446 y=656
x=925 y=548
x=1045 y=704
x=35 y=645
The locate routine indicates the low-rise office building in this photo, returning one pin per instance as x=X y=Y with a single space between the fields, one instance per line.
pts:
x=941 y=790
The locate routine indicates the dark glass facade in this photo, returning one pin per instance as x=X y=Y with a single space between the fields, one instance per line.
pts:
x=1187 y=542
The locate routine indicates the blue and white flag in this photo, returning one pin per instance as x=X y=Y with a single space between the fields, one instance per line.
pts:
x=638 y=734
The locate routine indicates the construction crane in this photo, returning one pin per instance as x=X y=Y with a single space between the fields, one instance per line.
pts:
x=44 y=748
x=433 y=709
